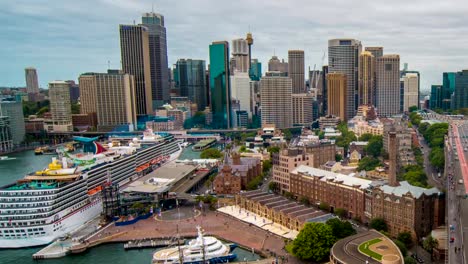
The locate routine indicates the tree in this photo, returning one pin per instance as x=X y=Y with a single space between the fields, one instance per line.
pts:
x=287 y=134
x=324 y=206
x=341 y=212
x=313 y=243
x=75 y=108
x=378 y=224
x=273 y=186
x=211 y=153
x=430 y=243
x=266 y=166
x=437 y=158
x=341 y=229
x=304 y=200
x=338 y=157
x=406 y=238
x=402 y=247
x=374 y=146
x=368 y=164
x=273 y=149
x=254 y=183
x=365 y=137
x=410 y=260
x=413 y=108
x=243 y=149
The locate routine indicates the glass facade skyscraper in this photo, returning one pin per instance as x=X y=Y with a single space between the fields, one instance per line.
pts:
x=220 y=85
x=461 y=89
x=255 y=70
x=189 y=76
x=448 y=88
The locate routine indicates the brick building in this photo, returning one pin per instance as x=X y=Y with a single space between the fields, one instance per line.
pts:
x=235 y=173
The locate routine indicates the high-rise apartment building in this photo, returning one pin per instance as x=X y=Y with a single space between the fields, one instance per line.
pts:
x=32 y=84
x=461 y=89
x=388 y=85
x=135 y=50
x=274 y=65
x=220 y=87
x=337 y=95
x=403 y=73
x=375 y=51
x=240 y=54
x=296 y=70
x=276 y=100
x=366 y=78
x=302 y=109
x=189 y=76
x=14 y=111
x=240 y=91
x=411 y=90
x=114 y=102
x=157 y=41
x=60 y=106
x=343 y=57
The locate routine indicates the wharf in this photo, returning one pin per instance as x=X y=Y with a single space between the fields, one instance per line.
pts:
x=152 y=243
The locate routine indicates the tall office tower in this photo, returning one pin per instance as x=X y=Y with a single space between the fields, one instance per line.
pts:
x=296 y=70
x=411 y=90
x=250 y=42
x=190 y=80
x=6 y=141
x=32 y=84
x=207 y=88
x=343 y=57
x=14 y=111
x=435 y=101
x=461 y=89
x=276 y=100
x=220 y=87
x=74 y=91
x=324 y=106
x=134 y=47
x=388 y=85
x=376 y=51
x=255 y=72
x=337 y=95
x=403 y=73
x=240 y=54
x=60 y=106
x=154 y=22
x=114 y=99
x=448 y=88
x=366 y=78
x=240 y=91
x=302 y=109
x=274 y=64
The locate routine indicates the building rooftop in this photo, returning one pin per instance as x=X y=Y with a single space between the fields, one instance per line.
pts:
x=405 y=188
x=324 y=175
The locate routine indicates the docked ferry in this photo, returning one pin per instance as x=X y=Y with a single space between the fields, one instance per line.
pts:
x=57 y=200
x=202 y=250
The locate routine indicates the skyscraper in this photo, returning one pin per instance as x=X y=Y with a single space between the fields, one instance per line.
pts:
x=274 y=64
x=14 y=111
x=448 y=89
x=190 y=80
x=302 y=108
x=343 y=57
x=276 y=100
x=403 y=73
x=220 y=87
x=435 y=101
x=388 y=85
x=461 y=89
x=375 y=51
x=366 y=78
x=32 y=84
x=324 y=107
x=255 y=70
x=337 y=95
x=296 y=70
x=134 y=47
x=240 y=54
x=411 y=90
x=240 y=91
x=154 y=22
x=60 y=106
x=114 y=102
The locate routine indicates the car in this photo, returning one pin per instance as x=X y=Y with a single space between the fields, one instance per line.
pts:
x=460 y=181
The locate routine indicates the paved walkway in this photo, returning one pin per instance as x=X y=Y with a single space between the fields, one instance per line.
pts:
x=214 y=223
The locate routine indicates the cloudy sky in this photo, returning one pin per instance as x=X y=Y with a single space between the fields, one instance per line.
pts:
x=63 y=38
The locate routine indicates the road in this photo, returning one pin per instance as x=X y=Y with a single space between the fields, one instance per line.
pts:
x=431 y=172
x=457 y=186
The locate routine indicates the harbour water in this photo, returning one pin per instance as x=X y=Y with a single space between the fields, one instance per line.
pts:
x=26 y=162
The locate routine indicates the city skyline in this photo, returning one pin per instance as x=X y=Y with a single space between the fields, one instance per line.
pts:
x=68 y=40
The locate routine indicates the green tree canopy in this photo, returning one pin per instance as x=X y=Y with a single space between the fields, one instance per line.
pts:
x=430 y=243
x=341 y=229
x=368 y=164
x=324 y=206
x=211 y=153
x=437 y=158
x=365 y=137
x=378 y=224
x=402 y=247
x=338 y=157
x=266 y=166
x=273 y=149
x=410 y=260
x=313 y=242
x=341 y=212
x=413 y=108
x=406 y=238
x=374 y=146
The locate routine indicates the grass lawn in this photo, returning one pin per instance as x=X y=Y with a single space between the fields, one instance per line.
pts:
x=364 y=248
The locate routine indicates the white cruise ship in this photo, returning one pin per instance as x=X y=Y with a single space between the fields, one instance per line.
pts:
x=198 y=251
x=53 y=202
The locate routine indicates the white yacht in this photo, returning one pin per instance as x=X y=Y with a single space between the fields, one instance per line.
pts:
x=198 y=251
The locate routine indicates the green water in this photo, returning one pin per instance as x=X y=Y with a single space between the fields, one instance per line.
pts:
x=26 y=162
